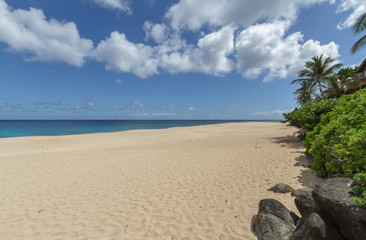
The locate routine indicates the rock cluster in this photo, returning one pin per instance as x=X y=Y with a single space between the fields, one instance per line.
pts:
x=327 y=213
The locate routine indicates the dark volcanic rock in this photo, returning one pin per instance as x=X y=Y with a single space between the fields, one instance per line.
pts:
x=313 y=227
x=304 y=200
x=299 y=164
x=274 y=221
x=301 y=191
x=302 y=135
x=310 y=160
x=332 y=197
x=281 y=188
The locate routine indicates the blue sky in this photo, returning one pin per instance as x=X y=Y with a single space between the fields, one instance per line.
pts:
x=149 y=59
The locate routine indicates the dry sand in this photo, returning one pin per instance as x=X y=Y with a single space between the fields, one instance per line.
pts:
x=201 y=182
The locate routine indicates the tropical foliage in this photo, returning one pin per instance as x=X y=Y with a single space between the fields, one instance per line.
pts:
x=309 y=115
x=338 y=84
x=338 y=142
x=313 y=78
x=336 y=121
x=360 y=189
x=358 y=27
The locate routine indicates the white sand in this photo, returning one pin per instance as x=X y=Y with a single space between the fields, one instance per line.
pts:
x=200 y=182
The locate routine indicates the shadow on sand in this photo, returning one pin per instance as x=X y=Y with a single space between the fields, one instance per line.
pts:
x=307 y=176
x=289 y=141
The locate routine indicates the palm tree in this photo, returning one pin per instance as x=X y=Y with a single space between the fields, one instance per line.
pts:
x=316 y=71
x=336 y=86
x=358 y=27
x=304 y=95
x=340 y=82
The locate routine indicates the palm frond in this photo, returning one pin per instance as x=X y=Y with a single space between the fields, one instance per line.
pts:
x=360 y=24
x=359 y=44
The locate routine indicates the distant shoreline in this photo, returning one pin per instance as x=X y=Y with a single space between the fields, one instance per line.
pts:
x=28 y=128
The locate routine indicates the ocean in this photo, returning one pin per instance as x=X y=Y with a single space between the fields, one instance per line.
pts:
x=22 y=128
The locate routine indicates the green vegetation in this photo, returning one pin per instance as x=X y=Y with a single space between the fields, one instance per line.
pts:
x=313 y=77
x=360 y=189
x=338 y=84
x=358 y=27
x=309 y=115
x=336 y=122
x=338 y=137
x=338 y=142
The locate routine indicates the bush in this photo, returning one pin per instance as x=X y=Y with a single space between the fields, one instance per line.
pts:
x=310 y=115
x=338 y=142
x=360 y=188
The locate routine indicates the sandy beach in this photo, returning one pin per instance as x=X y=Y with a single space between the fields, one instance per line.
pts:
x=200 y=182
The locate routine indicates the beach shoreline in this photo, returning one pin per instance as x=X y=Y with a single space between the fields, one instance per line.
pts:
x=176 y=183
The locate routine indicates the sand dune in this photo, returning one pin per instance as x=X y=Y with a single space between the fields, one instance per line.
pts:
x=201 y=182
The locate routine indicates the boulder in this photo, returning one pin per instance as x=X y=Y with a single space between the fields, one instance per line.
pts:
x=281 y=188
x=313 y=227
x=299 y=164
x=301 y=191
x=304 y=199
x=302 y=134
x=332 y=197
x=310 y=160
x=274 y=221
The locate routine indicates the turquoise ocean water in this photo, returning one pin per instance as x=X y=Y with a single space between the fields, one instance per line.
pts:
x=21 y=128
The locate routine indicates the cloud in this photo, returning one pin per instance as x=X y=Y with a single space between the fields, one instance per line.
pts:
x=265 y=48
x=259 y=49
x=39 y=39
x=274 y=113
x=91 y=104
x=191 y=14
x=119 y=82
x=191 y=109
x=135 y=105
x=356 y=6
x=121 y=55
x=121 y=5
x=233 y=43
x=210 y=56
x=157 y=114
x=5 y=107
x=157 y=32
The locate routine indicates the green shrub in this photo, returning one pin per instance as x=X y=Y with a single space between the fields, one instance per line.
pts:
x=310 y=115
x=360 y=188
x=338 y=142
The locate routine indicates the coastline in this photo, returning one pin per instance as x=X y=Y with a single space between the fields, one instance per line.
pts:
x=38 y=128
x=182 y=182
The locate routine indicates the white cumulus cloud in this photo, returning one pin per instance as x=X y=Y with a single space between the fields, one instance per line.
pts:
x=356 y=6
x=194 y=14
x=264 y=48
x=231 y=41
x=39 y=39
x=157 y=32
x=210 y=56
x=121 y=55
x=122 y=5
